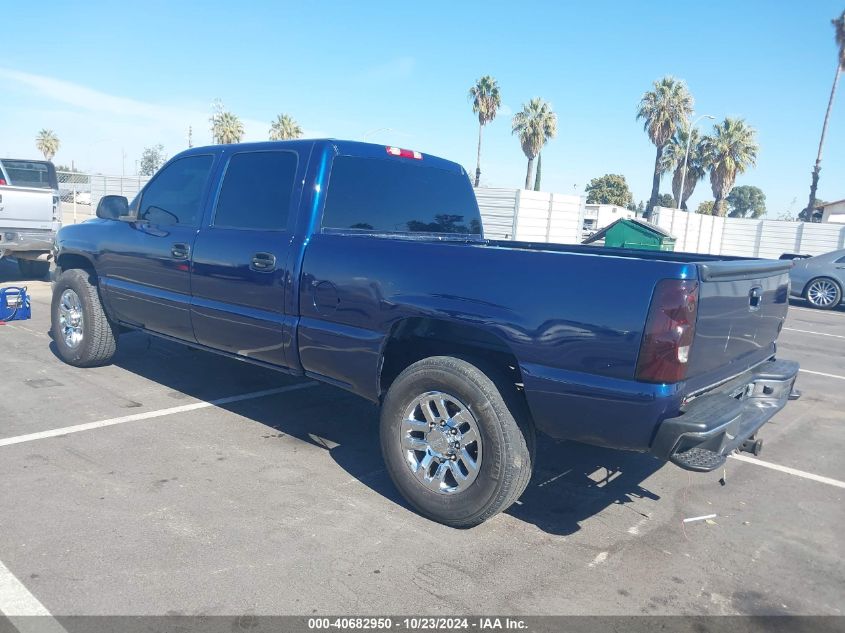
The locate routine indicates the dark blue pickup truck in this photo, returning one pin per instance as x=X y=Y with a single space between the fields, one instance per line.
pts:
x=365 y=266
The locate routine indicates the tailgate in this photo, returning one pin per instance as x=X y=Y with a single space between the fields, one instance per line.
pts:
x=28 y=194
x=27 y=208
x=741 y=310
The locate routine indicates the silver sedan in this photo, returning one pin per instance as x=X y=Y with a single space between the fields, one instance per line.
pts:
x=820 y=279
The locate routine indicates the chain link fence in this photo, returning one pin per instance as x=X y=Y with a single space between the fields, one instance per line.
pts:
x=80 y=192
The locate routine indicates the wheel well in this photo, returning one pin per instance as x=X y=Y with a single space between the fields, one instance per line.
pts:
x=68 y=261
x=414 y=339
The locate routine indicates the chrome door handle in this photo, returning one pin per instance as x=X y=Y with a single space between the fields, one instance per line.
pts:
x=263 y=262
x=180 y=251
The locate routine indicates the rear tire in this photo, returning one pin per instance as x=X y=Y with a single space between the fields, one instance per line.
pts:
x=31 y=269
x=823 y=293
x=460 y=485
x=82 y=332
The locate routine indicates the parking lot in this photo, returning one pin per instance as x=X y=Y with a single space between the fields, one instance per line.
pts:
x=200 y=485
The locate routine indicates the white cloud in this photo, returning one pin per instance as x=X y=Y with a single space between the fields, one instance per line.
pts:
x=96 y=128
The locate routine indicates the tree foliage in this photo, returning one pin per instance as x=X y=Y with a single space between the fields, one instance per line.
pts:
x=486 y=100
x=730 y=150
x=610 y=189
x=226 y=127
x=47 y=143
x=285 y=128
x=705 y=208
x=151 y=159
x=746 y=201
x=666 y=201
x=663 y=110
x=673 y=160
x=535 y=124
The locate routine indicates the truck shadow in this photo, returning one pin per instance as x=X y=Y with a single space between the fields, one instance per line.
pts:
x=10 y=274
x=572 y=482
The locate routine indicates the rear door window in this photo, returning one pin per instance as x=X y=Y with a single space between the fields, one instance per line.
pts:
x=256 y=191
x=30 y=173
x=175 y=195
x=399 y=196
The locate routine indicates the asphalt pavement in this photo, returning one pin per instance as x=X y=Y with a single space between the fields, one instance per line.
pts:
x=197 y=484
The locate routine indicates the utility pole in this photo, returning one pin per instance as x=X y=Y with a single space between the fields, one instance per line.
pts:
x=190 y=137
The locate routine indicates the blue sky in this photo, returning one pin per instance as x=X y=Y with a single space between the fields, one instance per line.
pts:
x=111 y=78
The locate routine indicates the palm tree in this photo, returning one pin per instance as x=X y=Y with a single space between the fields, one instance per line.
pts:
x=839 y=27
x=284 y=128
x=535 y=125
x=663 y=110
x=729 y=151
x=486 y=100
x=673 y=160
x=47 y=143
x=226 y=128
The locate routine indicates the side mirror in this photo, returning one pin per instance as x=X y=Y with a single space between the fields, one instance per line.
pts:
x=112 y=207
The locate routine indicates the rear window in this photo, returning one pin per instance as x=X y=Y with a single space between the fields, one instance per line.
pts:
x=27 y=173
x=399 y=196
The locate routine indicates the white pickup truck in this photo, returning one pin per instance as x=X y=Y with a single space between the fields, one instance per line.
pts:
x=30 y=213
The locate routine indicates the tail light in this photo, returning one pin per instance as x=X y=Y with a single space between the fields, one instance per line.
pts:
x=669 y=331
x=403 y=153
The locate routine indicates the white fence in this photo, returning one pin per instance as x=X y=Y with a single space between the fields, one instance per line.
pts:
x=531 y=216
x=80 y=192
x=498 y=212
x=698 y=233
x=539 y=216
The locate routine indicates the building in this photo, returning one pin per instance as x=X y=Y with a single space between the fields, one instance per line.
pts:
x=598 y=216
x=833 y=212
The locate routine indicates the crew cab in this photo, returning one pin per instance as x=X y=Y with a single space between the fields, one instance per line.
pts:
x=30 y=213
x=365 y=267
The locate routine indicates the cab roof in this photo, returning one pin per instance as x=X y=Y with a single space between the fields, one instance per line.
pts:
x=341 y=148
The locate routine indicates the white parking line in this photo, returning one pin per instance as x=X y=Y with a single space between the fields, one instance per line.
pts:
x=814 y=310
x=790 y=471
x=8 y=441
x=18 y=605
x=821 y=373
x=791 y=329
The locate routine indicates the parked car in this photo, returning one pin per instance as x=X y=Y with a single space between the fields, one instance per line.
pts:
x=365 y=267
x=83 y=197
x=820 y=279
x=30 y=213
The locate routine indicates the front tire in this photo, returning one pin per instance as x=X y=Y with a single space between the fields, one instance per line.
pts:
x=82 y=332
x=457 y=441
x=823 y=293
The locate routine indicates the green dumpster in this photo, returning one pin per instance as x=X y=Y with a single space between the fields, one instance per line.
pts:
x=633 y=233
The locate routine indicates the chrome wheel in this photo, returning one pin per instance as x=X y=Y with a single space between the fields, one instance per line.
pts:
x=441 y=442
x=70 y=318
x=823 y=293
